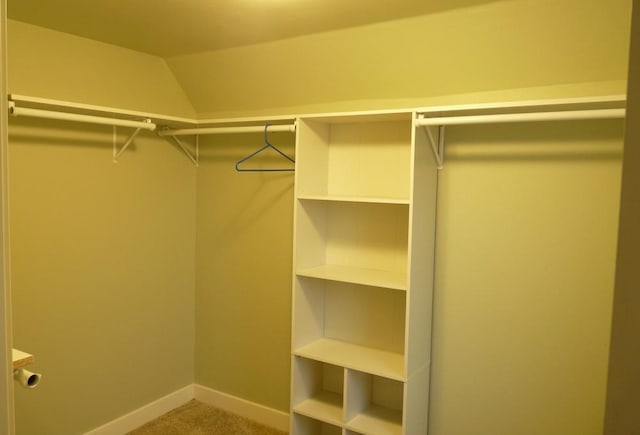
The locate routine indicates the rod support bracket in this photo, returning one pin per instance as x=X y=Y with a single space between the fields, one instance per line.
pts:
x=117 y=153
x=193 y=156
x=437 y=147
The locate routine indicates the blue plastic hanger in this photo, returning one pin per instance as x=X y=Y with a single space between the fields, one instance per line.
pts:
x=264 y=147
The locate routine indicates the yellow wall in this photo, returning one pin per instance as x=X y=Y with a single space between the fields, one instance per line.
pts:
x=60 y=66
x=535 y=48
x=243 y=269
x=102 y=253
x=526 y=240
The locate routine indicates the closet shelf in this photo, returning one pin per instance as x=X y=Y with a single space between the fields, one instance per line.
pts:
x=355 y=275
x=325 y=406
x=94 y=110
x=612 y=107
x=173 y=122
x=522 y=117
x=21 y=359
x=361 y=199
x=512 y=107
x=376 y=420
x=171 y=126
x=605 y=107
x=364 y=359
x=524 y=107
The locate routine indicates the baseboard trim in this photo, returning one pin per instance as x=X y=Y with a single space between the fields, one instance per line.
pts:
x=254 y=411
x=146 y=413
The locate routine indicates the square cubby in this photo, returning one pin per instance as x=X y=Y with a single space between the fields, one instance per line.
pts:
x=373 y=404
x=318 y=390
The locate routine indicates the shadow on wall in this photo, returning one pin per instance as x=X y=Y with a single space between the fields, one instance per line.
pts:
x=271 y=191
x=539 y=142
x=43 y=132
x=250 y=197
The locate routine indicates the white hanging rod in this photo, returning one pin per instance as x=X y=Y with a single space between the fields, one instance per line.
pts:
x=523 y=117
x=76 y=117
x=226 y=130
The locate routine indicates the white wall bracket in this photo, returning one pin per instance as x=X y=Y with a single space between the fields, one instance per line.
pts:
x=193 y=156
x=117 y=153
x=436 y=147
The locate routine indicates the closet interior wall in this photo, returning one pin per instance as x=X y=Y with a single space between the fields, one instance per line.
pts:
x=243 y=270
x=103 y=253
x=526 y=247
x=181 y=274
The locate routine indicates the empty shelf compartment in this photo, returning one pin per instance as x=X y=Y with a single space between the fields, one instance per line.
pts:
x=318 y=390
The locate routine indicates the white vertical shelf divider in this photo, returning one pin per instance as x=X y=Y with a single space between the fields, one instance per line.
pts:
x=364 y=225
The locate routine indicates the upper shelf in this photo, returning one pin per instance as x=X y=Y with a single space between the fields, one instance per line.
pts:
x=165 y=121
x=510 y=107
x=529 y=106
x=92 y=110
x=515 y=111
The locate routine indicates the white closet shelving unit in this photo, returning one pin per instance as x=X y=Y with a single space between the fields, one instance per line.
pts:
x=363 y=275
x=364 y=236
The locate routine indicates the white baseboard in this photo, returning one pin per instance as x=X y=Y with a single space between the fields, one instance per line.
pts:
x=254 y=411
x=146 y=413
x=251 y=410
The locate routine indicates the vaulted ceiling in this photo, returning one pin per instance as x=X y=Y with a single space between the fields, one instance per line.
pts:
x=170 y=28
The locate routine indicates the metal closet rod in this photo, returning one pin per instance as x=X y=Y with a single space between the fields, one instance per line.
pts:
x=227 y=130
x=76 y=117
x=523 y=117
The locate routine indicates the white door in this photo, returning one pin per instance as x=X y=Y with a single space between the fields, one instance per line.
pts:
x=6 y=381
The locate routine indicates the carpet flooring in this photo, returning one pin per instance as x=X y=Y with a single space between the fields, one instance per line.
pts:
x=197 y=418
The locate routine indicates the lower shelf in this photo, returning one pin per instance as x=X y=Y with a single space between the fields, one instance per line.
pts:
x=374 y=421
x=377 y=420
x=325 y=406
x=369 y=360
x=302 y=425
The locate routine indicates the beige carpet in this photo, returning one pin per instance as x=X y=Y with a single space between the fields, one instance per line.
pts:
x=197 y=418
